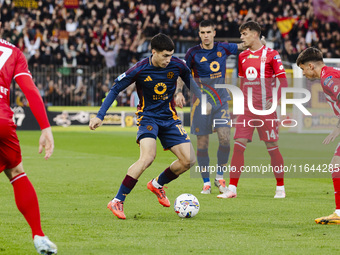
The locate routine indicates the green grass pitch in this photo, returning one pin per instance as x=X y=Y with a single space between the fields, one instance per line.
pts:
x=86 y=170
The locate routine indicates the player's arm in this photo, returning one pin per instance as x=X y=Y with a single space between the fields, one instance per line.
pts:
x=179 y=97
x=192 y=85
x=37 y=106
x=122 y=82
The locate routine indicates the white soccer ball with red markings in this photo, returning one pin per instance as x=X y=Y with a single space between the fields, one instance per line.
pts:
x=186 y=205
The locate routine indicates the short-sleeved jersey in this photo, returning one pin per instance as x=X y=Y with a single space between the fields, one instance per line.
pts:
x=330 y=82
x=209 y=68
x=259 y=69
x=155 y=87
x=12 y=65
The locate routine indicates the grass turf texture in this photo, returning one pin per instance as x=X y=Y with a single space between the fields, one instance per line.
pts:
x=87 y=168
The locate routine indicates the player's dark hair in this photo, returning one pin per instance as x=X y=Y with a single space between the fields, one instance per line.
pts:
x=252 y=25
x=207 y=23
x=310 y=54
x=162 y=42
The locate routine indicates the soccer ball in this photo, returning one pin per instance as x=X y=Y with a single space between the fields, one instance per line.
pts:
x=186 y=205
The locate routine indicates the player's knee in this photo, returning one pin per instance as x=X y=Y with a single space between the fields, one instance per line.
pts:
x=189 y=162
x=11 y=173
x=147 y=161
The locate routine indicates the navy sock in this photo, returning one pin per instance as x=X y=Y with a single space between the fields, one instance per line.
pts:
x=166 y=177
x=203 y=162
x=125 y=188
x=222 y=157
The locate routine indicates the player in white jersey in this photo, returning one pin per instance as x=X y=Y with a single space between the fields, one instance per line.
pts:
x=259 y=66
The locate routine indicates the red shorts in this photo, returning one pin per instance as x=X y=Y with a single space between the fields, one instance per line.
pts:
x=10 y=153
x=266 y=126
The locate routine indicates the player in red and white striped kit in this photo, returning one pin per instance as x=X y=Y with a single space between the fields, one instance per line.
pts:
x=311 y=62
x=259 y=67
x=14 y=65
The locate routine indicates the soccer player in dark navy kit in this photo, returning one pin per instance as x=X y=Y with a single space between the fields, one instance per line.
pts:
x=208 y=64
x=155 y=79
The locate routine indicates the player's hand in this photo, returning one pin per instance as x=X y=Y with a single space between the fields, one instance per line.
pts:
x=269 y=104
x=46 y=141
x=263 y=40
x=331 y=137
x=180 y=100
x=95 y=123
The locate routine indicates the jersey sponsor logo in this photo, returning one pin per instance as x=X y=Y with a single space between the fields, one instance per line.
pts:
x=148 y=78
x=120 y=77
x=253 y=56
x=219 y=54
x=277 y=57
x=170 y=75
x=214 y=66
x=160 y=88
x=327 y=80
x=203 y=59
x=251 y=73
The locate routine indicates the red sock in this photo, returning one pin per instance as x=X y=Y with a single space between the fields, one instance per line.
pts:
x=237 y=161
x=336 y=184
x=277 y=164
x=27 y=202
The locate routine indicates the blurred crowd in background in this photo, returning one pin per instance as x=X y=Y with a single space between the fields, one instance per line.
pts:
x=80 y=48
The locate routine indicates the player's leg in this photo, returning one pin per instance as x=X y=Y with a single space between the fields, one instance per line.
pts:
x=236 y=164
x=223 y=151
x=335 y=217
x=243 y=135
x=269 y=133
x=203 y=161
x=24 y=192
x=276 y=161
x=201 y=126
x=27 y=203
x=147 y=155
x=173 y=137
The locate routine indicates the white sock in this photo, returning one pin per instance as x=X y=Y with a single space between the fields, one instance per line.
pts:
x=282 y=188
x=156 y=184
x=337 y=211
x=116 y=199
x=207 y=183
x=219 y=176
x=232 y=188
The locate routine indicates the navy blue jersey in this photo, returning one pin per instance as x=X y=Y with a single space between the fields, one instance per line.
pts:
x=209 y=68
x=155 y=87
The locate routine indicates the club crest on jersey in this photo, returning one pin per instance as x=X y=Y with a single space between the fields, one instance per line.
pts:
x=120 y=77
x=170 y=75
x=149 y=127
x=251 y=73
x=263 y=59
x=219 y=54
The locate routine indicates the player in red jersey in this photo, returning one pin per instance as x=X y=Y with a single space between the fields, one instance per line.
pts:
x=311 y=62
x=14 y=65
x=259 y=66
